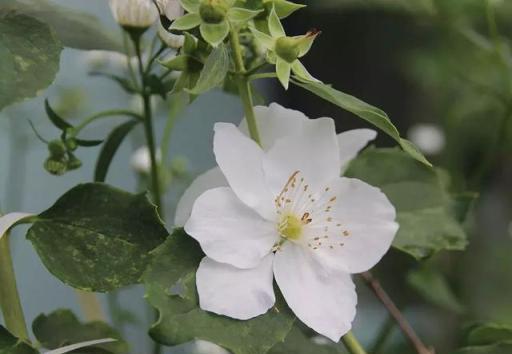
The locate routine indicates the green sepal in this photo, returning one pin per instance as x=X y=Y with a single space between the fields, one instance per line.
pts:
x=283 y=69
x=283 y=8
x=240 y=15
x=178 y=63
x=191 y=6
x=214 y=33
x=274 y=25
x=186 y=22
x=300 y=71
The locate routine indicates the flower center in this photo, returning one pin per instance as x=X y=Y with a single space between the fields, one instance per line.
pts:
x=290 y=227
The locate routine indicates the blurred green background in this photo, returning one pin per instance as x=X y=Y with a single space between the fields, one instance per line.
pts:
x=441 y=69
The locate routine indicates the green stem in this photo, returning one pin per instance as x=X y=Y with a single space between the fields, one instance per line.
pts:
x=244 y=87
x=149 y=132
x=150 y=138
x=262 y=76
x=352 y=344
x=9 y=298
x=104 y=114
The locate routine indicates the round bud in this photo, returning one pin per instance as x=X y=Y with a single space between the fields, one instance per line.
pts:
x=213 y=11
x=55 y=166
x=71 y=144
x=287 y=48
x=73 y=163
x=57 y=148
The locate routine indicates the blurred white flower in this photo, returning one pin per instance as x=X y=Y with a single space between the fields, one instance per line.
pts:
x=174 y=41
x=134 y=13
x=170 y=8
x=204 y=347
x=429 y=138
x=287 y=214
x=105 y=59
x=136 y=103
x=141 y=161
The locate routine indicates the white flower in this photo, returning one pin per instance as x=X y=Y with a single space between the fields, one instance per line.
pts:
x=170 y=8
x=134 y=13
x=141 y=161
x=287 y=213
x=175 y=41
x=428 y=137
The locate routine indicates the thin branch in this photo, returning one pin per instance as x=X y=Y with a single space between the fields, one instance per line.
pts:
x=393 y=310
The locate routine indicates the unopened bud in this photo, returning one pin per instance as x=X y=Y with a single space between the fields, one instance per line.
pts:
x=213 y=11
x=55 y=166
x=134 y=13
x=71 y=144
x=57 y=149
x=73 y=163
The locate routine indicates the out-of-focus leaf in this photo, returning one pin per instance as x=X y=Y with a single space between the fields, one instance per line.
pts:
x=96 y=237
x=61 y=328
x=434 y=288
x=170 y=288
x=109 y=149
x=122 y=81
x=424 y=205
x=499 y=348
x=489 y=333
x=30 y=54
x=75 y=29
x=369 y=113
x=9 y=344
x=88 y=143
x=214 y=71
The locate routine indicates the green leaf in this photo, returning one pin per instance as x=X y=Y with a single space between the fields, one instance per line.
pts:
x=434 y=288
x=214 y=71
x=371 y=114
x=170 y=288
x=30 y=54
x=57 y=120
x=297 y=342
x=9 y=344
x=214 y=33
x=500 y=348
x=88 y=143
x=75 y=29
x=186 y=22
x=109 y=149
x=489 y=333
x=96 y=237
x=424 y=206
x=61 y=328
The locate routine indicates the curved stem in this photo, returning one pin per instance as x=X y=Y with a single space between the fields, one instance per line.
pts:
x=9 y=298
x=244 y=86
x=393 y=310
x=104 y=114
x=262 y=76
x=352 y=344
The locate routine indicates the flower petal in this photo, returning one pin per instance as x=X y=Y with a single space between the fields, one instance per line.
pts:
x=314 y=153
x=210 y=179
x=351 y=142
x=325 y=301
x=358 y=230
x=229 y=231
x=233 y=292
x=241 y=161
x=274 y=122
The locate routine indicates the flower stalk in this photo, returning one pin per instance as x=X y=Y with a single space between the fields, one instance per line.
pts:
x=244 y=86
x=9 y=298
x=352 y=344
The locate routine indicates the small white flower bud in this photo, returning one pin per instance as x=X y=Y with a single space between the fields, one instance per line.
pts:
x=174 y=41
x=134 y=13
x=429 y=138
x=170 y=8
x=141 y=161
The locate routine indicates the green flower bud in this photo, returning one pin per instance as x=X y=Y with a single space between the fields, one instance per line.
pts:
x=73 y=163
x=57 y=149
x=287 y=48
x=213 y=11
x=55 y=166
x=71 y=144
